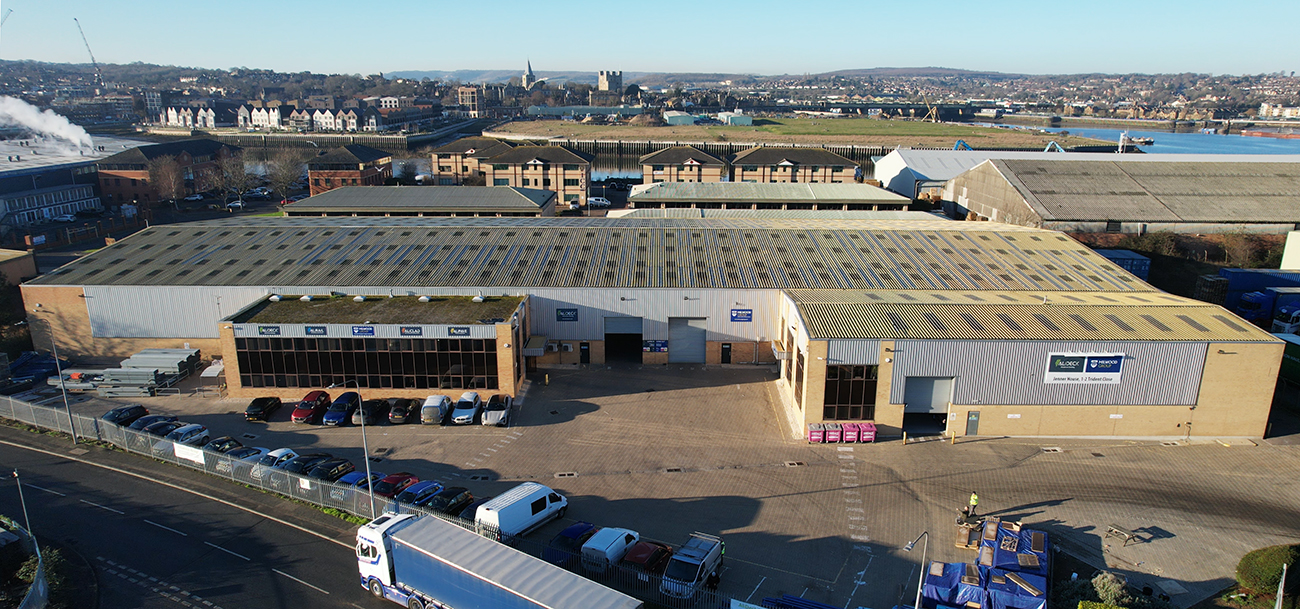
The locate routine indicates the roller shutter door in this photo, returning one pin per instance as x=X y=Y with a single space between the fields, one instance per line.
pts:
x=927 y=394
x=622 y=325
x=686 y=337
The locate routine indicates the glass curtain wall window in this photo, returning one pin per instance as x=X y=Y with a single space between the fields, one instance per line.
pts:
x=373 y=362
x=850 y=393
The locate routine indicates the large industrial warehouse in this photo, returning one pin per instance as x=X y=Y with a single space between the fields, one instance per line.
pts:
x=983 y=329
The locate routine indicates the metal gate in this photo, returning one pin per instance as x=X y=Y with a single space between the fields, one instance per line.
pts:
x=927 y=394
x=686 y=338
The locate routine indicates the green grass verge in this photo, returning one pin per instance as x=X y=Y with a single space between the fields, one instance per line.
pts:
x=859 y=126
x=274 y=214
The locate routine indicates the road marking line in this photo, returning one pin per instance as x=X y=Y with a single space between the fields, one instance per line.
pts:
x=228 y=551
x=760 y=583
x=322 y=591
x=167 y=528
x=101 y=506
x=845 y=449
x=41 y=488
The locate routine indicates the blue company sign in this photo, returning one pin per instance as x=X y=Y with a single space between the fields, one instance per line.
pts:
x=363 y=330
x=1084 y=368
x=566 y=315
x=412 y=331
x=314 y=330
x=458 y=331
x=745 y=315
x=654 y=346
x=268 y=330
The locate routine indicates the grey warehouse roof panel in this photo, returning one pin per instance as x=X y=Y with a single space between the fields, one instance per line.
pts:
x=948 y=164
x=549 y=154
x=768 y=193
x=676 y=155
x=144 y=154
x=597 y=252
x=417 y=198
x=807 y=214
x=772 y=155
x=352 y=153
x=474 y=146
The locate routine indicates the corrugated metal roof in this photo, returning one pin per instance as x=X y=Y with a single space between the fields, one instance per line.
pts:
x=738 y=192
x=809 y=214
x=599 y=252
x=1157 y=192
x=423 y=199
x=948 y=164
x=996 y=315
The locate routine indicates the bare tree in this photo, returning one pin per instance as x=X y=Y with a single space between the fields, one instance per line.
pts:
x=284 y=168
x=233 y=177
x=167 y=178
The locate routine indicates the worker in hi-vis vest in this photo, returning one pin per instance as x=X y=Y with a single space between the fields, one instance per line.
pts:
x=974 y=501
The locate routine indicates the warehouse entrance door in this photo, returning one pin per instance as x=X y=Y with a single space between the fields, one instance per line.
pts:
x=925 y=410
x=686 y=338
x=623 y=340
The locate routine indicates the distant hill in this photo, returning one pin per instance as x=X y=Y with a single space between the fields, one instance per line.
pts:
x=920 y=72
x=666 y=79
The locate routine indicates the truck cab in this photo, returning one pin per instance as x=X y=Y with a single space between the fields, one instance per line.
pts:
x=695 y=565
x=374 y=551
x=1287 y=320
x=1255 y=307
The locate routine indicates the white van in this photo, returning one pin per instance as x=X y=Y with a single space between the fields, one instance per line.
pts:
x=521 y=509
x=607 y=547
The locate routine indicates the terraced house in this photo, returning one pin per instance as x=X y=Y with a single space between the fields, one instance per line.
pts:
x=554 y=168
x=770 y=164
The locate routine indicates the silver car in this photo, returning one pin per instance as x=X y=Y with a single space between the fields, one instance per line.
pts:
x=497 y=410
x=435 y=409
x=467 y=407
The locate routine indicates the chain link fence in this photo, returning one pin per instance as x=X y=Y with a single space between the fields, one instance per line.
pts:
x=350 y=499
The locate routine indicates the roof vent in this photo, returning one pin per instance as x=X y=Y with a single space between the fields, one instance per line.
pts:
x=306 y=298
x=478 y=298
x=274 y=298
x=358 y=299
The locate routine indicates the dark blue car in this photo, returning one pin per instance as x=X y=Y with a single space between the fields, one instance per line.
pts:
x=340 y=412
x=567 y=546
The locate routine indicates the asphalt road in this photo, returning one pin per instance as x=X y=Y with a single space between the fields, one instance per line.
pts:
x=155 y=546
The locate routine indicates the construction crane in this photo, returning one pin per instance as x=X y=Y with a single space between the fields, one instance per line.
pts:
x=99 y=78
x=933 y=114
x=6 y=17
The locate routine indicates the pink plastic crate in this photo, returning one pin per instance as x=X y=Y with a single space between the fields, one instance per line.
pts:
x=849 y=432
x=816 y=433
x=833 y=432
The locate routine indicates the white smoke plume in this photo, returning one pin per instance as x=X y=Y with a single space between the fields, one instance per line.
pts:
x=15 y=112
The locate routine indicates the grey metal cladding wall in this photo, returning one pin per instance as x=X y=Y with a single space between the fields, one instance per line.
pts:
x=163 y=312
x=655 y=306
x=1011 y=372
x=853 y=352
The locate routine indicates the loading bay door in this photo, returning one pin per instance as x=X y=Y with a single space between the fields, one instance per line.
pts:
x=686 y=337
x=927 y=394
x=623 y=339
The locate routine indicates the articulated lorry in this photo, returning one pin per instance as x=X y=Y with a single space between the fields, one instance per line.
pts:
x=423 y=562
x=1276 y=309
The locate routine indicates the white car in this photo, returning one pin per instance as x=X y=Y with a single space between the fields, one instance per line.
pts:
x=190 y=435
x=195 y=197
x=65 y=218
x=497 y=410
x=467 y=407
x=575 y=206
x=235 y=205
x=598 y=202
x=272 y=460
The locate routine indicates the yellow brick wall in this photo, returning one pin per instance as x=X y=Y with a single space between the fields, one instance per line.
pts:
x=889 y=417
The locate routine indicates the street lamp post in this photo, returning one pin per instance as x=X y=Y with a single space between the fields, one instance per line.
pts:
x=27 y=521
x=58 y=368
x=920 y=581
x=370 y=484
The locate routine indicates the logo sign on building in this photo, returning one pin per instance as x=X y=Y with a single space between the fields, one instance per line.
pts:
x=742 y=315
x=268 y=330
x=458 y=331
x=363 y=330
x=412 y=331
x=566 y=315
x=314 y=330
x=1084 y=368
x=38 y=240
x=654 y=346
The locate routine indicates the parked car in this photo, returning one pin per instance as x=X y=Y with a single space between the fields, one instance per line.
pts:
x=450 y=500
x=418 y=493
x=65 y=218
x=521 y=509
x=598 y=202
x=566 y=546
x=370 y=412
x=261 y=409
x=390 y=486
x=648 y=558
x=575 y=206
x=467 y=408
x=240 y=459
x=472 y=509
x=607 y=547
x=194 y=197
x=162 y=428
x=435 y=410
x=90 y=213
x=272 y=460
x=246 y=453
x=340 y=412
x=235 y=206
x=400 y=410
x=497 y=410
x=358 y=479
x=125 y=415
x=303 y=463
x=312 y=408
x=223 y=445
x=190 y=434
x=331 y=469
x=148 y=420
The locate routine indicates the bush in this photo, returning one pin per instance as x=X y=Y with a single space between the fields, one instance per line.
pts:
x=56 y=575
x=1092 y=605
x=1261 y=570
x=1105 y=590
x=1160 y=242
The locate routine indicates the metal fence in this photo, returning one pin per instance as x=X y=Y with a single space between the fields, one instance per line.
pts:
x=325 y=494
x=38 y=595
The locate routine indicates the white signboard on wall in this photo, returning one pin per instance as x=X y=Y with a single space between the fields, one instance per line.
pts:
x=1084 y=368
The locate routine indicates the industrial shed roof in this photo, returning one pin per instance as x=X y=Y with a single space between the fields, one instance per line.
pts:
x=776 y=214
x=764 y=193
x=380 y=310
x=948 y=164
x=372 y=199
x=998 y=315
x=598 y=252
x=1157 y=192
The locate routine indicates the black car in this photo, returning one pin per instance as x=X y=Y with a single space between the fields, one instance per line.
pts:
x=331 y=469
x=400 y=410
x=471 y=511
x=261 y=409
x=223 y=444
x=303 y=463
x=162 y=428
x=146 y=421
x=450 y=500
x=125 y=415
x=370 y=412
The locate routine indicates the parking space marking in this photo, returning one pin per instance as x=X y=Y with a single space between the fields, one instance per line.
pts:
x=760 y=583
x=228 y=551
x=101 y=506
x=166 y=528
x=41 y=488
x=321 y=590
x=158 y=589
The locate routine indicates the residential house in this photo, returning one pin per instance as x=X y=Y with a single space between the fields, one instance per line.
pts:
x=682 y=164
x=351 y=165
x=124 y=177
x=778 y=164
x=554 y=168
x=457 y=161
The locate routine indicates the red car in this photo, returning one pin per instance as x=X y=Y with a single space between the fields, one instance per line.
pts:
x=648 y=558
x=394 y=484
x=311 y=408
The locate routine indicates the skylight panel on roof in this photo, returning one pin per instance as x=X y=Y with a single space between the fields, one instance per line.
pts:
x=1119 y=322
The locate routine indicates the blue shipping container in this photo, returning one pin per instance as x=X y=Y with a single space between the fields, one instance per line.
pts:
x=1241 y=281
x=1137 y=264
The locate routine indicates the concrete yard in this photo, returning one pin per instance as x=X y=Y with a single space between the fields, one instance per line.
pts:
x=666 y=450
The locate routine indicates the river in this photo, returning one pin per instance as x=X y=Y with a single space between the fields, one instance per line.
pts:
x=1193 y=143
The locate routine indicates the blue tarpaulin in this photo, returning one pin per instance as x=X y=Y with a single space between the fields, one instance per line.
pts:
x=944 y=585
x=1005 y=593
x=1022 y=551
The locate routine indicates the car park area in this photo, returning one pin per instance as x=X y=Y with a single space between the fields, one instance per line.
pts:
x=666 y=451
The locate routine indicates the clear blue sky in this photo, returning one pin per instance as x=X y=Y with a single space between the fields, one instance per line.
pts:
x=757 y=36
